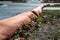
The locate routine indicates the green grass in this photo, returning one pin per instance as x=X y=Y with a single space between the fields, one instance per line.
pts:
x=56 y=5
x=48 y=17
x=50 y=14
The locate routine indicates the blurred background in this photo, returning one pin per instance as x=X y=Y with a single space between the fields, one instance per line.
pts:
x=44 y=1
x=9 y=8
x=48 y=23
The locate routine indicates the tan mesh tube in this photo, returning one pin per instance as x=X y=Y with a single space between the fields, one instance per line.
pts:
x=10 y=25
